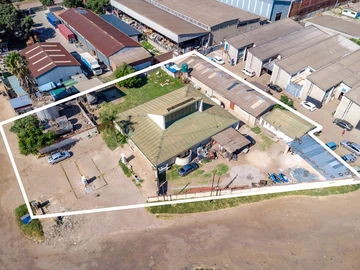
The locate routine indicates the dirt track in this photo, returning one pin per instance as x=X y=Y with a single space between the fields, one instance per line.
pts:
x=286 y=233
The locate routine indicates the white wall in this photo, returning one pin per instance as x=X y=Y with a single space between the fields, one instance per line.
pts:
x=275 y=131
x=280 y=77
x=348 y=110
x=254 y=63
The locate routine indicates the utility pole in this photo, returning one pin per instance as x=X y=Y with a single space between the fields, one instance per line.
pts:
x=217 y=187
x=212 y=185
x=184 y=187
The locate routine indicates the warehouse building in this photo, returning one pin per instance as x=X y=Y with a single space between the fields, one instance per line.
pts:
x=349 y=107
x=103 y=40
x=185 y=21
x=333 y=25
x=50 y=62
x=261 y=59
x=272 y=10
x=238 y=46
x=236 y=97
x=292 y=72
x=122 y=26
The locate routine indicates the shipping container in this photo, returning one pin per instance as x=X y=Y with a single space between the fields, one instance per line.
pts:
x=66 y=32
x=53 y=19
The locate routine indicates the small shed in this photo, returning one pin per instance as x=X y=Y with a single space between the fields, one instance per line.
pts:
x=15 y=85
x=21 y=104
x=231 y=141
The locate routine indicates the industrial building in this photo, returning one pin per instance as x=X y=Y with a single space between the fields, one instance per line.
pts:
x=122 y=26
x=103 y=40
x=50 y=62
x=272 y=10
x=238 y=46
x=349 y=107
x=333 y=25
x=170 y=128
x=236 y=97
x=296 y=72
x=262 y=58
x=183 y=22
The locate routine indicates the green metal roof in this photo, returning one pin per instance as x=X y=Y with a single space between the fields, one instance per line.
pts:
x=160 y=145
x=288 y=123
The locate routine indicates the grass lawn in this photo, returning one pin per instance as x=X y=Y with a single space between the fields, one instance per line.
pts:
x=256 y=130
x=34 y=229
x=151 y=89
x=266 y=142
x=205 y=206
x=221 y=169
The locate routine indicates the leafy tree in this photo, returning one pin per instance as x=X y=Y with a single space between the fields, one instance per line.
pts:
x=108 y=115
x=31 y=136
x=72 y=3
x=13 y=24
x=123 y=70
x=47 y=2
x=17 y=65
x=284 y=99
x=97 y=5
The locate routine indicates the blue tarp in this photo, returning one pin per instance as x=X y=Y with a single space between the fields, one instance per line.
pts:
x=121 y=25
x=20 y=102
x=59 y=93
x=15 y=85
x=319 y=158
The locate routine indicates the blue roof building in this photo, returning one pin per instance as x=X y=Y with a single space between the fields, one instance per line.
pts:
x=122 y=26
x=15 y=85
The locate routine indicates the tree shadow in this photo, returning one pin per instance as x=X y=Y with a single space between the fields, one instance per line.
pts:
x=46 y=33
x=111 y=94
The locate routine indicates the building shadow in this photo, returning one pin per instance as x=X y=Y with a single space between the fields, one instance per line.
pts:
x=162 y=184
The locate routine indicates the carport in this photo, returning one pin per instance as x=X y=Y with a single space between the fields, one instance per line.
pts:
x=230 y=142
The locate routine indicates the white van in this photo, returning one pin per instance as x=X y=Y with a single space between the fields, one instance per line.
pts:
x=248 y=72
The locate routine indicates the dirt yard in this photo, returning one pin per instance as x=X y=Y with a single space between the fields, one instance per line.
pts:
x=285 y=233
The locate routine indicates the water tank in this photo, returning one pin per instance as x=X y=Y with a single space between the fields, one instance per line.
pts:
x=48 y=114
x=184 y=68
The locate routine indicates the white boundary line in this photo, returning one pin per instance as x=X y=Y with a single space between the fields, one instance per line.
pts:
x=134 y=206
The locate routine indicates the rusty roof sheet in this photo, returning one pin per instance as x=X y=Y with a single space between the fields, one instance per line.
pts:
x=105 y=37
x=228 y=87
x=44 y=56
x=130 y=57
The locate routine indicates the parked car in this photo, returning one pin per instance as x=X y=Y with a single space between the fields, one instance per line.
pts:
x=59 y=156
x=218 y=60
x=353 y=147
x=185 y=170
x=349 y=158
x=249 y=72
x=343 y=123
x=331 y=145
x=274 y=87
x=357 y=168
x=308 y=105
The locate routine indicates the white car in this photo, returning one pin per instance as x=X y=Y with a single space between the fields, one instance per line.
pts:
x=249 y=72
x=308 y=105
x=218 y=60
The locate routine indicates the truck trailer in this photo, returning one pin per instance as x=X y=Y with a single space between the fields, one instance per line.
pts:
x=53 y=19
x=91 y=63
x=66 y=32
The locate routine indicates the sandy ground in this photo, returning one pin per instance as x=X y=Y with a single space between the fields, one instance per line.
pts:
x=285 y=233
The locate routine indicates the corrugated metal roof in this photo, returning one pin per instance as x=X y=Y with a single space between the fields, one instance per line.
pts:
x=345 y=70
x=231 y=140
x=130 y=57
x=160 y=145
x=289 y=44
x=65 y=30
x=19 y=102
x=105 y=37
x=351 y=28
x=354 y=94
x=121 y=25
x=160 y=17
x=319 y=55
x=265 y=33
x=208 y=12
x=225 y=85
x=44 y=56
x=86 y=85
x=288 y=123
x=15 y=85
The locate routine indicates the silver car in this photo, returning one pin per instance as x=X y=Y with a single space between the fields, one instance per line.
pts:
x=353 y=147
x=349 y=158
x=59 y=156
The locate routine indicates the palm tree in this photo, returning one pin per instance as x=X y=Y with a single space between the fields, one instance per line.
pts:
x=17 y=65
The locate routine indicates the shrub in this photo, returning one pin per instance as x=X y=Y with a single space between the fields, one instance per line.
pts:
x=125 y=169
x=33 y=229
